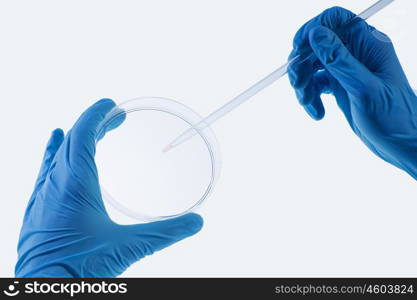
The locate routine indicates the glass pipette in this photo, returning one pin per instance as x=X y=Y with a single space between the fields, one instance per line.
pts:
x=260 y=85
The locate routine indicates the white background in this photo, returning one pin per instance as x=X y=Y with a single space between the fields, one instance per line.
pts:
x=296 y=197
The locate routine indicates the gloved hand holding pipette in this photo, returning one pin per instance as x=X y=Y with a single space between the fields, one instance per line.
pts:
x=359 y=66
x=66 y=231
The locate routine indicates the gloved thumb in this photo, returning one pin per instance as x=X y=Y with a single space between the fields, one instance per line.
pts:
x=352 y=75
x=55 y=141
x=144 y=239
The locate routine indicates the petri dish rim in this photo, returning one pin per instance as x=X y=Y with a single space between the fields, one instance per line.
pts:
x=186 y=114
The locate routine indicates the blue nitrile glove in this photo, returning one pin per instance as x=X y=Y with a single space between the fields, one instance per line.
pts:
x=66 y=231
x=358 y=65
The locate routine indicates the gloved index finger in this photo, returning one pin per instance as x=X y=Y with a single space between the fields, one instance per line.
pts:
x=55 y=141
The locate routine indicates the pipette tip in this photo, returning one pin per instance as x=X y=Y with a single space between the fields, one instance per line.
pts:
x=167 y=148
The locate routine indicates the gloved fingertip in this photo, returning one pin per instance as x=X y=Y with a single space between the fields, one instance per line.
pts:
x=313 y=114
x=183 y=226
x=57 y=133
x=56 y=139
x=105 y=101
x=315 y=111
x=102 y=106
x=193 y=222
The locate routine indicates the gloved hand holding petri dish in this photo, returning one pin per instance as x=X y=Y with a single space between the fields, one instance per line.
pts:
x=141 y=181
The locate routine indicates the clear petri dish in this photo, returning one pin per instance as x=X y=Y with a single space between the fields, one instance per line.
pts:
x=141 y=181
